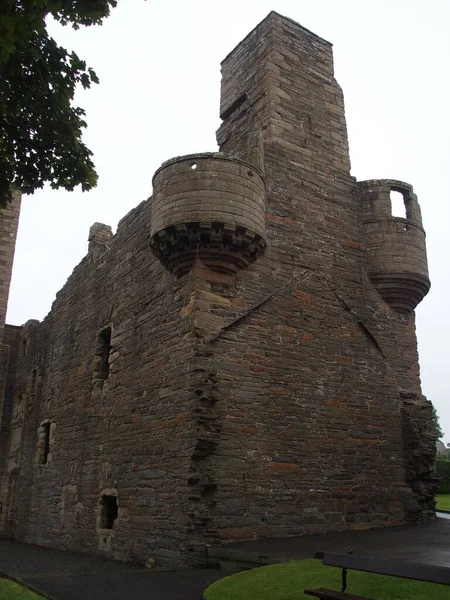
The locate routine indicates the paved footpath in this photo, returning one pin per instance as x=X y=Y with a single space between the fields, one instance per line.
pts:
x=74 y=576
x=428 y=543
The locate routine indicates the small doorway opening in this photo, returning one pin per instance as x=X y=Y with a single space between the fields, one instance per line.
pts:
x=109 y=511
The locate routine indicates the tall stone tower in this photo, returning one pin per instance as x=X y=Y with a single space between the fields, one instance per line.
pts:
x=239 y=360
x=318 y=370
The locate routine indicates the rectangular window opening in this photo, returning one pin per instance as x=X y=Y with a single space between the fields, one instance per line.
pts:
x=105 y=349
x=109 y=511
x=398 y=208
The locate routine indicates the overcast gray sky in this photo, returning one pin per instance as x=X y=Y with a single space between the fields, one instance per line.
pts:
x=159 y=68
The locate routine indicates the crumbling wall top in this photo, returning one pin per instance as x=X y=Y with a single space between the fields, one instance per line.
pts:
x=272 y=18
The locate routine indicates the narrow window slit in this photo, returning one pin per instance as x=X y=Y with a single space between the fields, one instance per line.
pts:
x=105 y=350
x=46 y=448
x=44 y=433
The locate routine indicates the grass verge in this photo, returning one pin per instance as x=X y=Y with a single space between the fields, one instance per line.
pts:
x=443 y=501
x=10 y=590
x=287 y=581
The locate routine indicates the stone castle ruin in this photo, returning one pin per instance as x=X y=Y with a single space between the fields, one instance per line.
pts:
x=240 y=359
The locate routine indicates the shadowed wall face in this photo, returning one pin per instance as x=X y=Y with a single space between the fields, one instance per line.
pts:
x=9 y=336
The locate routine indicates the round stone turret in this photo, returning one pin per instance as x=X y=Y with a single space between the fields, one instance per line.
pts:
x=396 y=252
x=208 y=207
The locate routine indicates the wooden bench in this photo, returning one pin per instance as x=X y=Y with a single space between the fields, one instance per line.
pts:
x=380 y=566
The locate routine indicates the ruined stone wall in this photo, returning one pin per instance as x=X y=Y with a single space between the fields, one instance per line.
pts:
x=9 y=221
x=126 y=435
x=11 y=422
x=260 y=381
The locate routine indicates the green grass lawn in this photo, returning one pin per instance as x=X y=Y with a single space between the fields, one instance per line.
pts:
x=9 y=590
x=443 y=501
x=288 y=580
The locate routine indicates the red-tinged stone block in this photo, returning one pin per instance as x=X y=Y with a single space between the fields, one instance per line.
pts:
x=239 y=302
x=306 y=336
x=282 y=468
x=289 y=330
x=331 y=219
x=356 y=245
x=302 y=295
x=250 y=430
x=336 y=403
x=280 y=220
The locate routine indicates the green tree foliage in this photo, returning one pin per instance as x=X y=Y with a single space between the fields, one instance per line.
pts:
x=437 y=425
x=40 y=129
x=443 y=472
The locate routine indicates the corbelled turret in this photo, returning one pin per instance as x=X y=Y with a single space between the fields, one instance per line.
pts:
x=396 y=257
x=208 y=207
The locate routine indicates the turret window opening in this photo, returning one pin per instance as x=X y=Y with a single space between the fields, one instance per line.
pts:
x=398 y=207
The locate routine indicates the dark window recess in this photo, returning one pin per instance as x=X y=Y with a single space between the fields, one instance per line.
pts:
x=46 y=444
x=105 y=343
x=24 y=346
x=109 y=511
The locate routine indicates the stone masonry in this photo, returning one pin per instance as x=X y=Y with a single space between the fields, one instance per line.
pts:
x=239 y=360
